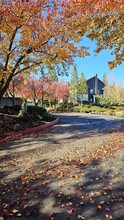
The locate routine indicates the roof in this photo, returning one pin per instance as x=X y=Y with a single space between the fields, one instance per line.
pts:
x=94 y=77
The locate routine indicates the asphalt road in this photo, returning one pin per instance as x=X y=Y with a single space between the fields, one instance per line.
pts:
x=89 y=122
x=71 y=127
x=45 y=176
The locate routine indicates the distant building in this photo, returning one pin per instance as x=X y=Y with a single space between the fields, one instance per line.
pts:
x=95 y=87
x=8 y=101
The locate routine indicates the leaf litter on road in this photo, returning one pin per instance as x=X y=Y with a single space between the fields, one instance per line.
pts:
x=77 y=180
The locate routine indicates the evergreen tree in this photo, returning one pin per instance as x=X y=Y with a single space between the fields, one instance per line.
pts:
x=105 y=79
x=73 y=85
x=82 y=87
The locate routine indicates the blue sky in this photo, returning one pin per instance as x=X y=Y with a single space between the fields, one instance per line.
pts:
x=91 y=65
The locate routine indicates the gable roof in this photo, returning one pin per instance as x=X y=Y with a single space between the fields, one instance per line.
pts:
x=94 y=77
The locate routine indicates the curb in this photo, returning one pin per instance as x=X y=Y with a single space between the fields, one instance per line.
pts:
x=12 y=135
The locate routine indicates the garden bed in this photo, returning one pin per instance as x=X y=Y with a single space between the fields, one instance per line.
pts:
x=90 y=108
x=13 y=122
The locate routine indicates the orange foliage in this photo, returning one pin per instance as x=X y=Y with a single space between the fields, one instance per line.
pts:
x=45 y=32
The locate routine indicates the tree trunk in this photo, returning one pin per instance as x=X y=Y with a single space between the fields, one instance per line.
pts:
x=4 y=88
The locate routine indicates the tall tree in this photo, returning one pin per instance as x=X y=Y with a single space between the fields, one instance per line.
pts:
x=105 y=79
x=58 y=91
x=34 y=89
x=73 y=85
x=82 y=86
x=101 y=21
x=108 y=29
x=13 y=89
x=113 y=92
x=33 y=33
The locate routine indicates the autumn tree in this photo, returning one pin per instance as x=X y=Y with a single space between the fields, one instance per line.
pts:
x=46 y=32
x=58 y=90
x=33 y=33
x=73 y=85
x=14 y=89
x=33 y=89
x=113 y=92
x=108 y=29
x=103 y=22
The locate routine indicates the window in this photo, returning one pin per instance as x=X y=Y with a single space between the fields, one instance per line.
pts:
x=91 y=91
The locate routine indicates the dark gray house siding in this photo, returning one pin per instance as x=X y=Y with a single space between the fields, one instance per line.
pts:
x=8 y=101
x=95 y=87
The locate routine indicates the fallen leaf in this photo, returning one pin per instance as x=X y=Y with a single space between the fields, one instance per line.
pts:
x=81 y=217
x=70 y=211
x=69 y=204
x=19 y=214
x=107 y=209
x=122 y=194
x=99 y=207
x=102 y=202
x=15 y=211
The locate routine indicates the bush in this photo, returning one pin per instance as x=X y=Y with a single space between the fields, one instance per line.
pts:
x=120 y=114
x=23 y=114
x=16 y=108
x=86 y=102
x=65 y=107
x=95 y=109
x=109 y=112
x=35 y=110
x=85 y=110
x=6 y=107
x=48 y=117
x=76 y=110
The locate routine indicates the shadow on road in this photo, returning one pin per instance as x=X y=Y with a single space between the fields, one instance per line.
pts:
x=69 y=128
x=63 y=190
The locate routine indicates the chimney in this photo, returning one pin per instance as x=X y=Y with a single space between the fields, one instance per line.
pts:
x=96 y=85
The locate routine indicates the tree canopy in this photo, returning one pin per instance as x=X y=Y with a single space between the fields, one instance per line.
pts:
x=46 y=32
x=82 y=86
x=33 y=33
x=73 y=84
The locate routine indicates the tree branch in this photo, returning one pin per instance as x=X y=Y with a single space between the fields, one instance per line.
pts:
x=10 y=47
x=28 y=67
x=20 y=59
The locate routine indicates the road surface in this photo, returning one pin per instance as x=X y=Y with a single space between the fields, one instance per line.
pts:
x=58 y=174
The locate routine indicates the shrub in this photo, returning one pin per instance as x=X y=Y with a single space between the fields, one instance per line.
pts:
x=76 y=110
x=85 y=110
x=65 y=107
x=6 y=107
x=23 y=115
x=17 y=108
x=95 y=109
x=110 y=112
x=48 y=117
x=120 y=114
x=35 y=110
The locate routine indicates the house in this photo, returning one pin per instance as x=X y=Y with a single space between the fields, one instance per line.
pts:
x=95 y=87
x=8 y=101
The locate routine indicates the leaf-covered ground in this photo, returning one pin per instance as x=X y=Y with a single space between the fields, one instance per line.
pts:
x=78 y=182
x=12 y=123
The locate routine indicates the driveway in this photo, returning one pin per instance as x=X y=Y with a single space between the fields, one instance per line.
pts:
x=71 y=127
x=71 y=171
